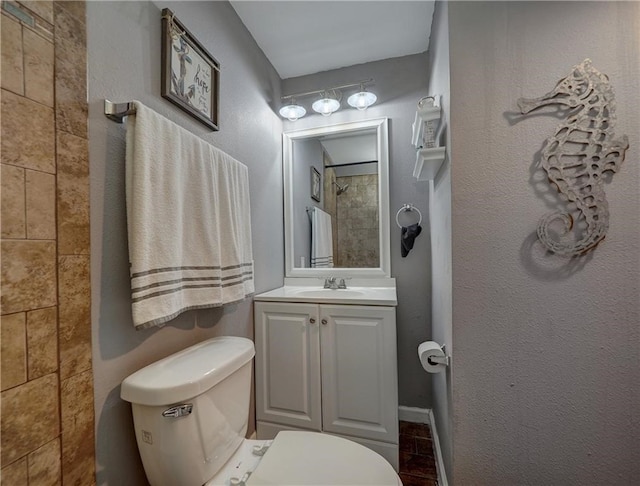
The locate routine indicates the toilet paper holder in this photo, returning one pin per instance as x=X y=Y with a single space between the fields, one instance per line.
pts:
x=444 y=360
x=433 y=357
x=438 y=360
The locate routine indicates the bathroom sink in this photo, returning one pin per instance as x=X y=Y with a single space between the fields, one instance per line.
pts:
x=360 y=295
x=329 y=293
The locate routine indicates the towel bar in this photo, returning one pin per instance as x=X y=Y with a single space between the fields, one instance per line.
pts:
x=117 y=111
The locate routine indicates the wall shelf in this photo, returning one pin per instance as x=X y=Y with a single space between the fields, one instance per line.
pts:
x=428 y=163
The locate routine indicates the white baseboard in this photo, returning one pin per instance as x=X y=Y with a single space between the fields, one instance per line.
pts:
x=414 y=414
x=425 y=416
x=442 y=473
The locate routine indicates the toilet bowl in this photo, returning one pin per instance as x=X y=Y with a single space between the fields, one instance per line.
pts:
x=191 y=414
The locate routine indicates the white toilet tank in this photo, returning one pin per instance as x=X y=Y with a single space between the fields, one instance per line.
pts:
x=191 y=410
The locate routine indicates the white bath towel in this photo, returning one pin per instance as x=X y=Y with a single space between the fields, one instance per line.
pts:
x=188 y=220
x=321 y=239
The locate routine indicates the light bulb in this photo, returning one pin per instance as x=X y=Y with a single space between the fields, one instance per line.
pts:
x=362 y=100
x=292 y=111
x=325 y=106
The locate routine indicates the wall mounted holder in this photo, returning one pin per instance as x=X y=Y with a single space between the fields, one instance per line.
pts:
x=577 y=155
x=425 y=138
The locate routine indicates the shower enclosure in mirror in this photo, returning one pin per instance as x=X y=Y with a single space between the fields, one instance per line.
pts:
x=353 y=162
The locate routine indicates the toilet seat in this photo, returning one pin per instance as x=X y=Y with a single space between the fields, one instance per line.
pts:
x=311 y=458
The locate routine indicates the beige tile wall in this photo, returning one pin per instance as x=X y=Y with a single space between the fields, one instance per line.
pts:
x=357 y=221
x=47 y=416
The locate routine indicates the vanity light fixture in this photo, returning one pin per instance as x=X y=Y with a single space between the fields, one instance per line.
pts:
x=326 y=105
x=292 y=111
x=362 y=99
x=329 y=101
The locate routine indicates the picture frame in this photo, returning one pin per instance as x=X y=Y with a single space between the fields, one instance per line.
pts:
x=190 y=74
x=316 y=184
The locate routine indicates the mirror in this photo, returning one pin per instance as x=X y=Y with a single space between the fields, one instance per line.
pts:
x=342 y=170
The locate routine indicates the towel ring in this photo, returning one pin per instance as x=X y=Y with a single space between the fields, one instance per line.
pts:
x=408 y=207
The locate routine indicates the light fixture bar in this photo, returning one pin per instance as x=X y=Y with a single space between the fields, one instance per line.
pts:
x=318 y=91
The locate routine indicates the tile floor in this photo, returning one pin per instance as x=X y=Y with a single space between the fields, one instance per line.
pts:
x=417 y=460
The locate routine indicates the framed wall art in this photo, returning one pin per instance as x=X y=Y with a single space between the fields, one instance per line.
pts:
x=190 y=74
x=316 y=184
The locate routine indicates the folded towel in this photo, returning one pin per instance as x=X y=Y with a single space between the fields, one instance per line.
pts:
x=188 y=221
x=321 y=239
x=408 y=236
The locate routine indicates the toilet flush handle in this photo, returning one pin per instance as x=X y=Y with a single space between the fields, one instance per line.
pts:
x=178 y=410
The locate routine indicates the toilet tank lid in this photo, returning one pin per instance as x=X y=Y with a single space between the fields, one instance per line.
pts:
x=187 y=373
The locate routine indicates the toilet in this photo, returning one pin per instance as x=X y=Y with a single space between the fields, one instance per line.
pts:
x=191 y=411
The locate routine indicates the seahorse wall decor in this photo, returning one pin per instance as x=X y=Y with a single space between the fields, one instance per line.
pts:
x=577 y=155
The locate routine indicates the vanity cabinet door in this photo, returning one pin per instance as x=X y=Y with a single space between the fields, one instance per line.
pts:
x=287 y=364
x=359 y=371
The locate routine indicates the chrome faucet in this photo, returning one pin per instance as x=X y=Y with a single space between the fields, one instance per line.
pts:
x=332 y=283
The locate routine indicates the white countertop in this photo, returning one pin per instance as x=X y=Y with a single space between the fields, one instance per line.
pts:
x=313 y=292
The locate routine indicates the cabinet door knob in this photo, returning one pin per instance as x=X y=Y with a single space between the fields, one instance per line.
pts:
x=324 y=322
x=312 y=320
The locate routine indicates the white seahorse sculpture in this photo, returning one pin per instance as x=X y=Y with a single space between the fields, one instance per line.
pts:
x=576 y=156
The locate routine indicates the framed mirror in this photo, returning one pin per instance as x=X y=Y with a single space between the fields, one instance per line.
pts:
x=345 y=232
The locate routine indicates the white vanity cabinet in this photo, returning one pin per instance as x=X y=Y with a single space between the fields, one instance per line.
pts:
x=329 y=368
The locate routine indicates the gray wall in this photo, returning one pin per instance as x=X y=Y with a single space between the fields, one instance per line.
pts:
x=440 y=216
x=547 y=350
x=399 y=84
x=124 y=64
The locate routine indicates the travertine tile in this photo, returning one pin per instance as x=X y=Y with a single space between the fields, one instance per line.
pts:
x=70 y=73
x=28 y=275
x=14 y=350
x=28 y=135
x=45 y=29
x=71 y=96
x=13 y=218
x=42 y=342
x=73 y=195
x=30 y=417
x=41 y=205
x=15 y=474
x=44 y=465
x=70 y=24
x=38 y=68
x=77 y=429
x=76 y=9
x=43 y=9
x=11 y=64
x=74 y=315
